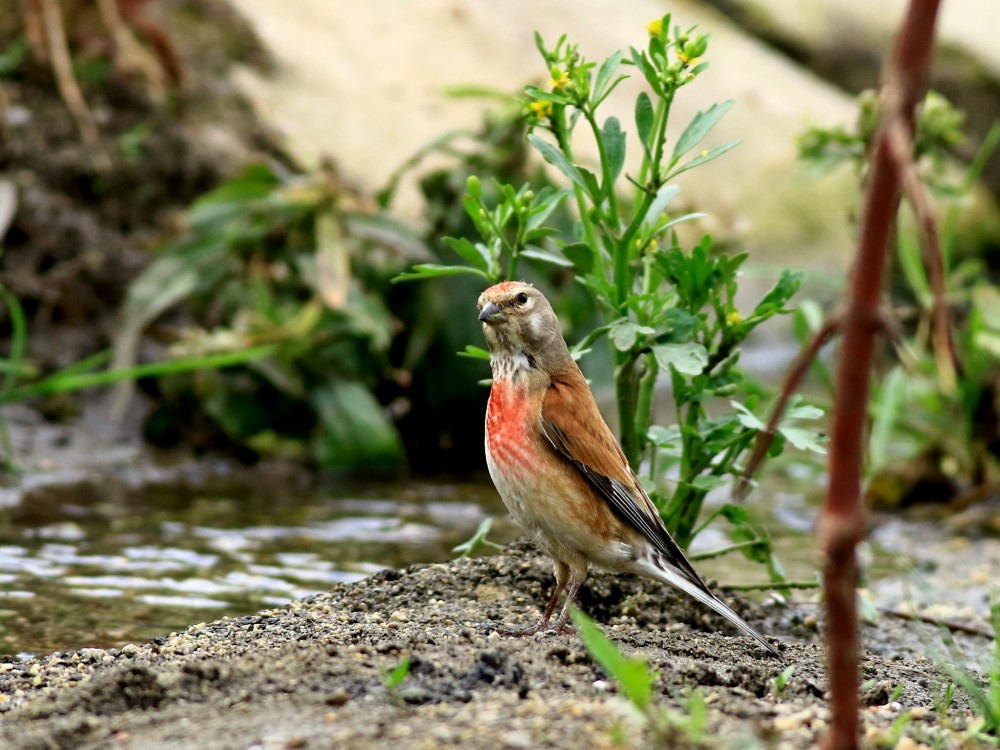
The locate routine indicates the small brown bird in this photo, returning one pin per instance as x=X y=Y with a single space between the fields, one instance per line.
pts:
x=558 y=468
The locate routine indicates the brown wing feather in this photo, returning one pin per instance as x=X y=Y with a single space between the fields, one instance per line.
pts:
x=573 y=425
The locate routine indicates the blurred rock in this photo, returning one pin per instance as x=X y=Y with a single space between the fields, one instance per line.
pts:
x=844 y=41
x=365 y=84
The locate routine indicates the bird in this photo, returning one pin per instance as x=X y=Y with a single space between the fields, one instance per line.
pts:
x=559 y=469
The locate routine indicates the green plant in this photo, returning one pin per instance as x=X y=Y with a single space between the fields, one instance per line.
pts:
x=985 y=725
x=931 y=432
x=781 y=680
x=392 y=679
x=636 y=682
x=20 y=380
x=477 y=540
x=667 y=309
x=283 y=261
x=938 y=129
x=12 y=56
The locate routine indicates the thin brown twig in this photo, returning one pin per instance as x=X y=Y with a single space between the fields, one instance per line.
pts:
x=62 y=68
x=34 y=29
x=956 y=627
x=901 y=147
x=793 y=378
x=4 y=106
x=132 y=56
x=842 y=521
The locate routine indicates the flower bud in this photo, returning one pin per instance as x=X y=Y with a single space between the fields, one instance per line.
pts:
x=473 y=188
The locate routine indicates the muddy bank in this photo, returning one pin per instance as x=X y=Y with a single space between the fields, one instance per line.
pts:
x=313 y=674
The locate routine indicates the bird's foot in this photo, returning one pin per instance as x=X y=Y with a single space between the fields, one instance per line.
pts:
x=526 y=631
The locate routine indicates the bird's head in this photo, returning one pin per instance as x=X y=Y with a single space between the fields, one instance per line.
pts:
x=518 y=320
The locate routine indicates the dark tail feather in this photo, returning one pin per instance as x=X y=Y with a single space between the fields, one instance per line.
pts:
x=678 y=579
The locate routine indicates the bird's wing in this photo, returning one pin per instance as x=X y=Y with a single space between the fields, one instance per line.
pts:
x=576 y=430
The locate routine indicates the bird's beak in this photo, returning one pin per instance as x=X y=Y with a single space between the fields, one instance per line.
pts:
x=490 y=313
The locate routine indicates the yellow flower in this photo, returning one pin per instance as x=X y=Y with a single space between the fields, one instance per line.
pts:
x=541 y=108
x=655 y=27
x=560 y=79
x=683 y=57
x=733 y=317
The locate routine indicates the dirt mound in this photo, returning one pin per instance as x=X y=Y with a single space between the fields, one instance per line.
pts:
x=316 y=673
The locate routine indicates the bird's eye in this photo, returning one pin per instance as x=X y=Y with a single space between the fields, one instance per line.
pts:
x=522 y=298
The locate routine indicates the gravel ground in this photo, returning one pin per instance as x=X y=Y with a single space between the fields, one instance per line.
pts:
x=313 y=674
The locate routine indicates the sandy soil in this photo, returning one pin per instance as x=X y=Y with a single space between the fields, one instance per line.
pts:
x=313 y=674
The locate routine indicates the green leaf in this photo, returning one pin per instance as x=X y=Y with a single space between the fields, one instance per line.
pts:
x=614 y=149
x=474 y=352
x=886 y=408
x=737 y=515
x=803 y=411
x=705 y=157
x=644 y=121
x=591 y=186
x=75 y=377
x=546 y=202
x=664 y=228
x=659 y=204
x=354 y=429
x=12 y=56
x=431 y=270
x=912 y=264
x=600 y=286
x=477 y=256
x=607 y=69
x=679 y=325
x=689 y=358
x=536 y=253
x=709 y=482
x=808 y=319
x=698 y=128
x=641 y=61
x=785 y=288
x=554 y=156
x=803 y=439
x=632 y=674
x=747 y=417
x=663 y=436
x=581 y=255
x=186 y=267
x=623 y=333
x=231 y=199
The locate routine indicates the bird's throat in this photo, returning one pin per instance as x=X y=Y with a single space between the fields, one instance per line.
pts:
x=511 y=366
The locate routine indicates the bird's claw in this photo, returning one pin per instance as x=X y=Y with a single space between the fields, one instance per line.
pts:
x=526 y=631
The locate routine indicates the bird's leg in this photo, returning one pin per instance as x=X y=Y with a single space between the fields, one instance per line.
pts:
x=562 y=574
x=543 y=623
x=561 y=625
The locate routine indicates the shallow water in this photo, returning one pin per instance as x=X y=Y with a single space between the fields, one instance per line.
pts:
x=98 y=564
x=108 y=561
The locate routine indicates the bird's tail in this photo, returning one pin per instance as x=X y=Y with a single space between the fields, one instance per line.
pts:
x=674 y=577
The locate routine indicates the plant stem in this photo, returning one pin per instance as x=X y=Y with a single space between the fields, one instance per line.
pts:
x=560 y=131
x=625 y=396
x=644 y=400
x=726 y=550
x=771 y=586
x=841 y=523
x=609 y=187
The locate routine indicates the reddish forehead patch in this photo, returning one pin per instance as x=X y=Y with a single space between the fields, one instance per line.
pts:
x=504 y=286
